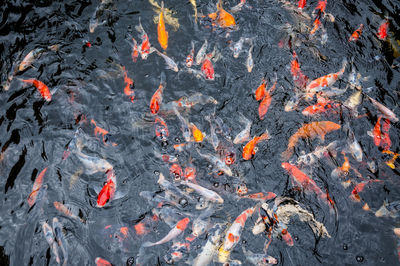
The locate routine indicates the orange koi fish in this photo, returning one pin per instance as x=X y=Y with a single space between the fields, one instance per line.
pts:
x=128 y=90
x=356 y=34
x=305 y=181
x=107 y=192
x=198 y=136
x=208 y=69
x=135 y=50
x=300 y=80
x=266 y=102
x=161 y=129
x=382 y=31
x=43 y=89
x=311 y=130
x=386 y=143
x=66 y=211
x=250 y=149
x=156 y=100
x=177 y=230
x=162 y=33
x=232 y=236
x=287 y=237
x=101 y=262
x=261 y=90
x=302 y=4
x=190 y=174
x=223 y=18
x=100 y=131
x=323 y=83
x=36 y=187
x=377 y=132
x=145 y=47
x=261 y=196
x=391 y=162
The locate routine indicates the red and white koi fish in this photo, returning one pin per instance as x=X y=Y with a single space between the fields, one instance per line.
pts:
x=176 y=231
x=190 y=57
x=161 y=128
x=156 y=100
x=260 y=196
x=302 y=4
x=37 y=185
x=101 y=262
x=145 y=47
x=232 y=236
x=128 y=89
x=323 y=83
x=208 y=69
x=300 y=80
x=42 y=88
x=135 y=50
x=107 y=193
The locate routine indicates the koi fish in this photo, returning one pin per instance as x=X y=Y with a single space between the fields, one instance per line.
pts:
x=320 y=107
x=384 y=110
x=249 y=60
x=354 y=146
x=33 y=55
x=185 y=126
x=306 y=182
x=102 y=262
x=36 y=187
x=190 y=173
x=377 y=132
x=243 y=135
x=391 y=162
x=206 y=256
x=223 y=18
x=145 y=47
x=193 y=2
x=259 y=259
x=250 y=148
x=94 y=20
x=201 y=54
x=261 y=90
x=388 y=209
x=156 y=100
x=356 y=34
x=300 y=80
x=176 y=171
x=99 y=131
x=161 y=128
x=177 y=230
x=238 y=7
x=260 y=196
x=382 y=31
x=213 y=138
x=43 y=89
x=49 y=235
x=128 y=89
x=135 y=50
x=311 y=158
x=169 y=61
x=237 y=47
x=310 y=130
x=65 y=210
x=162 y=33
x=198 y=136
x=190 y=57
x=217 y=162
x=62 y=243
x=206 y=193
x=208 y=69
x=323 y=83
x=107 y=193
x=302 y=4
x=266 y=102
x=232 y=236
x=94 y=164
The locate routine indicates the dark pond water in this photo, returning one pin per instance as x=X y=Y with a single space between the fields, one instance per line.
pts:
x=85 y=76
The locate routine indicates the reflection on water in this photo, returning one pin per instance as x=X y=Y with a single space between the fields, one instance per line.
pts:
x=221 y=145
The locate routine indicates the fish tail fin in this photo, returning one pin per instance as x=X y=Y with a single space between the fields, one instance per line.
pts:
x=287 y=154
x=219 y=5
x=265 y=135
x=139 y=27
x=148 y=244
x=162 y=7
x=163 y=79
x=344 y=64
x=54 y=47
